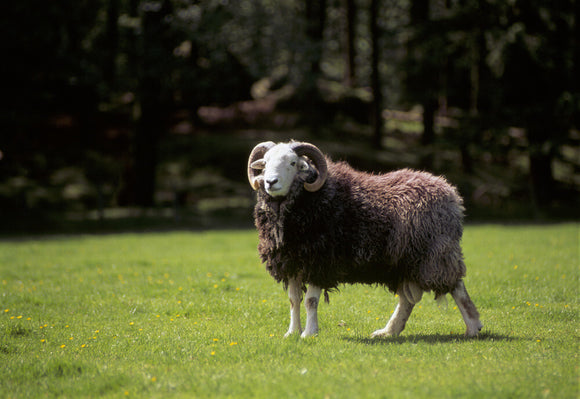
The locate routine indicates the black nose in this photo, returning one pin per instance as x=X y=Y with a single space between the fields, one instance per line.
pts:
x=271 y=182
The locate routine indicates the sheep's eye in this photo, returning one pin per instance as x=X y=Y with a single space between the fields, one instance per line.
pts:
x=293 y=163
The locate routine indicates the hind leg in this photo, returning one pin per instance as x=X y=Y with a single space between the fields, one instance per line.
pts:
x=467 y=309
x=409 y=294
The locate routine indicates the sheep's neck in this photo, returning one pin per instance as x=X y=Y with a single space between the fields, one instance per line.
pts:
x=276 y=205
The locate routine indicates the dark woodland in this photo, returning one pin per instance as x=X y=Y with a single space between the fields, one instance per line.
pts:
x=141 y=114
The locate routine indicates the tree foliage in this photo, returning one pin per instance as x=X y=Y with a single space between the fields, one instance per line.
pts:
x=108 y=77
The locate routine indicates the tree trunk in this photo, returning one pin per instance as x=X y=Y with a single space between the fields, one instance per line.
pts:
x=350 y=70
x=112 y=46
x=419 y=17
x=541 y=178
x=315 y=20
x=147 y=136
x=429 y=109
x=377 y=119
x=541 y=156
x=151 y=118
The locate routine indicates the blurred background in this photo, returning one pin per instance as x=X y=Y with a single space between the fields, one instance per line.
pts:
x=127 y=114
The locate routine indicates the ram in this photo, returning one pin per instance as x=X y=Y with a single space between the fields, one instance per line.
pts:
x=322 y=223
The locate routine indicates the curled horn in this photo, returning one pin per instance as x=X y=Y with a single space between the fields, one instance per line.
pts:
x=257 y=154
x=316 y=156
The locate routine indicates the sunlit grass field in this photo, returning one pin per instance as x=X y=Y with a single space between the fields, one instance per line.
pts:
x=194 y=314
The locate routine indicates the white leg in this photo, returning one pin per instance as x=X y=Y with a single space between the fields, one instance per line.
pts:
x=295 y=295
x=409 y=295
x=311 y=302
x=467 y=309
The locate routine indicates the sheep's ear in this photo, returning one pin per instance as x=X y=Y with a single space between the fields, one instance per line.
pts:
x=303 y=165
x=259 y=164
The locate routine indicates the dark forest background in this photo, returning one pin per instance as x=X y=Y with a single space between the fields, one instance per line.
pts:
x=127 y=111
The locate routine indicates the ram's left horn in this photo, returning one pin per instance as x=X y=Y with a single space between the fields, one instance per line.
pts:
x=317 y=157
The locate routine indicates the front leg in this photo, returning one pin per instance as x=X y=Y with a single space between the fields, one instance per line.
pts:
x=311 y=302
x=295 y=295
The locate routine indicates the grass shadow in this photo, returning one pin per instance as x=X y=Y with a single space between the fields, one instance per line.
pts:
x=430 y=339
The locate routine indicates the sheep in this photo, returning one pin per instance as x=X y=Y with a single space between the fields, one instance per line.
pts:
x=322 y=223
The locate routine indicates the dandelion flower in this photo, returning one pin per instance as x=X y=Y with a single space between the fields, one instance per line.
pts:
x=215 y=340
x=6 y=310
x=153 y=379
x=62 y=346
x=131 y=323
x=212 y=353
x=233 y=343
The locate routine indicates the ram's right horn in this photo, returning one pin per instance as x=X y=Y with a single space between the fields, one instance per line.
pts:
x=255 y=166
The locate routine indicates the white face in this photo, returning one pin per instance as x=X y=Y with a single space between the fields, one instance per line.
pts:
x=282 y=165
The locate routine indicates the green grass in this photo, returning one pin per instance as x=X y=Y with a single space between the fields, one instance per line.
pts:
x=196 y=315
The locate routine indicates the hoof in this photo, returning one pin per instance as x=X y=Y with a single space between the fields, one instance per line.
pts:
x=307 y=334
x=382 y=333
x=474 y=331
